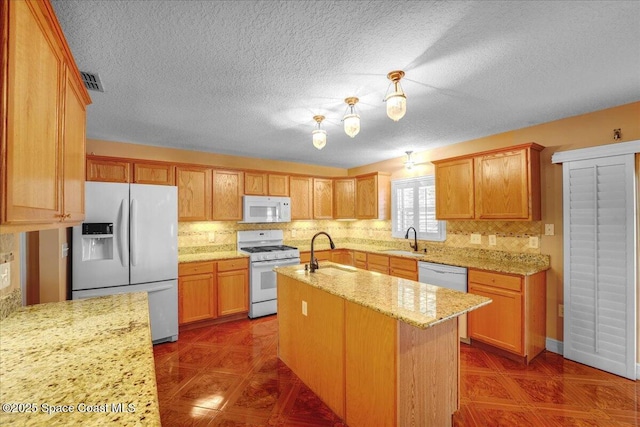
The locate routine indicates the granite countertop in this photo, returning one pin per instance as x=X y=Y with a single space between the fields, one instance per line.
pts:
x=93 y=357
x=417 y=304
x=501 y=262
x=211 y=256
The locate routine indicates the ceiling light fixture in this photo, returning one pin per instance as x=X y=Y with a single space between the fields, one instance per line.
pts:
x=396 y=100
x=409 y=163
x=351 y=119
x=319 y=135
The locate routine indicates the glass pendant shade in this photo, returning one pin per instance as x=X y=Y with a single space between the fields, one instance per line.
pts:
x=351 y=124
x=396 y=100
x=409 y=163
x=319 y=138
x=396 y=106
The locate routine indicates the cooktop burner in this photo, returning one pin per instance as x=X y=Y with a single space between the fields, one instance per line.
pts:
x=258 y=249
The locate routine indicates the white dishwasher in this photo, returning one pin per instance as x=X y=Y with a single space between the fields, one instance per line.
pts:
x=446 y=276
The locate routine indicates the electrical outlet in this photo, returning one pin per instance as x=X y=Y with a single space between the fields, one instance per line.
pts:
x=5 y=275
x=211 y=236
x=293 y=232
x=476 y=238
x=304 y=308
x=492 y=239
x=534 y=242
x=549 y=230
x=560 y=310
x=64 y=250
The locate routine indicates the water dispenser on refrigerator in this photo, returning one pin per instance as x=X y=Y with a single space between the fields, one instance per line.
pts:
x=97 y=241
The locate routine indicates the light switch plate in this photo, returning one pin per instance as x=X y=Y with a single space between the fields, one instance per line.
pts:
x=549 y=230
x=211 y=236
x=293 y=232
x=5 y=275
x=534 y=242
x=476 y=238
x=492 y=239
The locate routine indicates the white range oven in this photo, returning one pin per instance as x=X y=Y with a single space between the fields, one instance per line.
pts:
x=266 y=251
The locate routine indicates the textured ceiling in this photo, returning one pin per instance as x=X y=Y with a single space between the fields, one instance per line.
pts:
x=246 y=77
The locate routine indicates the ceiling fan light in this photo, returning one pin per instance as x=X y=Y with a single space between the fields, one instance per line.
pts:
x=351 y=124
x=319 y=138
x=396 y=106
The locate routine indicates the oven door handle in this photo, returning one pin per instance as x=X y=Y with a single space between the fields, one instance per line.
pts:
x=276 y=263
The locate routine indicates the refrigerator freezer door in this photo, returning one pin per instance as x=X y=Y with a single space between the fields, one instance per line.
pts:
x=163 y=306
x=153 y=233
x=105 y=202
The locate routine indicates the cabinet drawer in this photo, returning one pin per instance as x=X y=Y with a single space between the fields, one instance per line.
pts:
x=381 y=260
x=233 y=264
x=403 y=264
x=497 y=280
x=189 y=268
x=360 y=256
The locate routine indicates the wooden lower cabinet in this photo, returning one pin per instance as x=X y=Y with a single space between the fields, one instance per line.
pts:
x=196 y=292
x=323 y=255
x=516 y=319
x=403 y=267
x=342 y=256
x=360 y=259
x=212 y=289
x=379 y=263
x=233 y=286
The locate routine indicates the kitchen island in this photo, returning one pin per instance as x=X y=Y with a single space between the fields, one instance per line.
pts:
x=378 y=350
x=83 y=362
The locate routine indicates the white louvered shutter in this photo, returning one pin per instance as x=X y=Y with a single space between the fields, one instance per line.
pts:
x=413 y=204
x=599 y=259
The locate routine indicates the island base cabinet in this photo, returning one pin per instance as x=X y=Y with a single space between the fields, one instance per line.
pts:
x=312 y=344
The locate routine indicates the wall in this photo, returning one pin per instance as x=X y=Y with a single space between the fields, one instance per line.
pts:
x=11 y=296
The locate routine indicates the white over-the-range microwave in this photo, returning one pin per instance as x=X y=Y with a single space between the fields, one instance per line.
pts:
x=259 y=209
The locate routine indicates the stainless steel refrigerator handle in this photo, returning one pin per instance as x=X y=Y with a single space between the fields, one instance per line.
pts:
x=133 y=238
x=124 y=258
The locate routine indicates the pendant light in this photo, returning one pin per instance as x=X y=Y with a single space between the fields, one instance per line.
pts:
x=396 y=100
x=409 y=163
x=319 y=135
x=351 y=119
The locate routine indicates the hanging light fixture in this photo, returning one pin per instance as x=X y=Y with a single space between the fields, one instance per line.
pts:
x=396 y=100
x=319 y=135
x=351 y=119
x=409 y=163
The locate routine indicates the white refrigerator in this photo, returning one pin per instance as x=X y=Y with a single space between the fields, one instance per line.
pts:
x=129 y=243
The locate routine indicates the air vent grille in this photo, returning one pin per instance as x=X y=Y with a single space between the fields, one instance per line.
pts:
x=92 y=81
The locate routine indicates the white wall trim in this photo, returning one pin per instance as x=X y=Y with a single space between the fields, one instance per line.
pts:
x=596 y=152
x=554 y=346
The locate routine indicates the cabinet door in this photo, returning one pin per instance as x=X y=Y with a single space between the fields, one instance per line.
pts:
x=502 y=185
x=403 y=267
x=342 y=256
x=31 y=179
x=379 y=263
x=104 y=170
x=255 y=183
x=196 y=298
x=454 y=189
x=73 y=150
x=499 y=323
x=194 y=193
x=233 y=292
x=373 y=196
x=322 y=198
x=344 y=196
x=279 y=185
x=154 y=173
x=228 y=187
x=301 y=197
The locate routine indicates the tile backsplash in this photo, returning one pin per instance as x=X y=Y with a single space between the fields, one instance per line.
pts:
x=511 y=236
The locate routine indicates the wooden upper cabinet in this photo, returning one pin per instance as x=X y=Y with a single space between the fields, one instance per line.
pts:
x=322 y=198
x=454 y=189
x=494 y=185
x=108 y=170
x=373 y=196
x=228 y=187
x=301 y=188
x=508 y=184
x=154 y=173
x=44 y=144
x=194 y=193
x=278 y=185
x=344 y=198
x=256 y=183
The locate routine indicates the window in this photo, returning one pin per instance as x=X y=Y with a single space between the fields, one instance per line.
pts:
x=413 y=204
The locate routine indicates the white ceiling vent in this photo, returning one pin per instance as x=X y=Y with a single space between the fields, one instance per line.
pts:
x=92 y=81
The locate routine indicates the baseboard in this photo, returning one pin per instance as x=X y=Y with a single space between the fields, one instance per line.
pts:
x=554 y=346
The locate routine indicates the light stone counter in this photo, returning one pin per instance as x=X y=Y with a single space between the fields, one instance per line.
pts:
x=94 y=356
x=211 y=256
x=417 y=304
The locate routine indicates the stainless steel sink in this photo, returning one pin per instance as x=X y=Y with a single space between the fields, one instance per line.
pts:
x=403 y=253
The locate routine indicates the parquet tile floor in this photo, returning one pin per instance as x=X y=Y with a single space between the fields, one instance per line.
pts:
x=230 y=375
